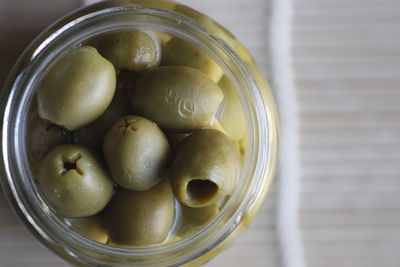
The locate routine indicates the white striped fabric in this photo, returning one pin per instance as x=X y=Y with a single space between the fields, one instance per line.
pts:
x=347 y=63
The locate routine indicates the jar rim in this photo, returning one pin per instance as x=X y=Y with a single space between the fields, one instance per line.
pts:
x=15 y=168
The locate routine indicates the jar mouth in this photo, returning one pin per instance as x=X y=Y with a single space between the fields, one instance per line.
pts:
x=18 y=96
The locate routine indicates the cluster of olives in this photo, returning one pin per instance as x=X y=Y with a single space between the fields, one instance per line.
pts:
x=123 y=126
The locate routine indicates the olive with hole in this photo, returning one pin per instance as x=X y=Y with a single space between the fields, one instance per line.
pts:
x=193 y=219
x=205 y=168
x=77 y=89
x=74 y=181
x=180 y=52
x=132 y=50
x=92 y=227
x=177 y=98
x=140 y=218
x=137 y=152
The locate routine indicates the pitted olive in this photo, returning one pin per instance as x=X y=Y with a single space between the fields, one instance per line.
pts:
x=132 y=50
x=141 y=218
x=137 y=152
x=177 y=98
x=205 y=168
x=74 y=181
x=78 y=89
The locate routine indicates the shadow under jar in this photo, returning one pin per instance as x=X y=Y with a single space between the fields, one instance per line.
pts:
x=247 y=115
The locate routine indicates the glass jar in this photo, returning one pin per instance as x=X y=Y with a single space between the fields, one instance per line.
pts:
x=259 y=147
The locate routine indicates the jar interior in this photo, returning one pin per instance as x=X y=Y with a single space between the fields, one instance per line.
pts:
x=237 y=116
x=43 y=135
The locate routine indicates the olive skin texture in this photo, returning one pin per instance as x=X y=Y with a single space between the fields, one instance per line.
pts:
x=141 y=218
x=78 y=89
x=192 y=219
x=177 y=98
x=231 y=116
x=131 y=50
x=205 y=168
x=92 y=227
x=137 y=153
x=180 y=52
x=74 y=182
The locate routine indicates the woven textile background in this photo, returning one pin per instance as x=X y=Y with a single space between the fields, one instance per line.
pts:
x=345 y=61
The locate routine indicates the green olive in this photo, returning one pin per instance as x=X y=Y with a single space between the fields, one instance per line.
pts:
x=92 y=135
x=74 y=182
x=131 y=50
x=180 y=52
x=92 y=227
x=192 y=219
x=78 y=89
x=177 y=98
x=141 y=218
x=205 y=168
x=231 y=116
x=137 y=152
